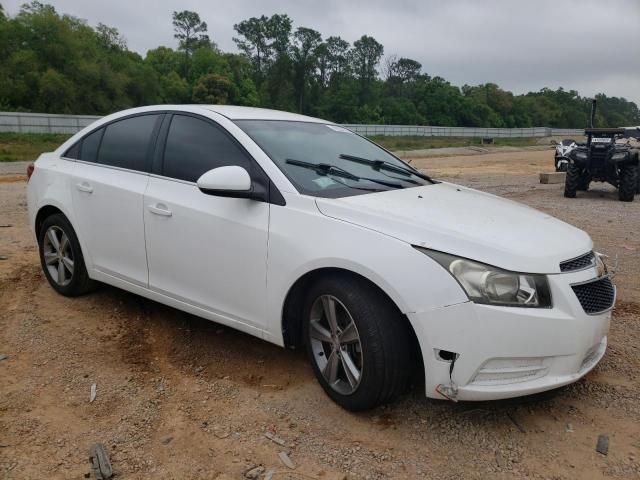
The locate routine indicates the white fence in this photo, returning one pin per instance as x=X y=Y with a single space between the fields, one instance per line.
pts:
x=50 y=123
x=425 y=131
x=43 y=122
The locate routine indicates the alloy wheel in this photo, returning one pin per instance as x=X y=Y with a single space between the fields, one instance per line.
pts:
x=335 y=343
x=58 y=256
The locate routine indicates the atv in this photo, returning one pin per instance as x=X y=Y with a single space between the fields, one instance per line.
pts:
x=601 y=159
x=561 y=158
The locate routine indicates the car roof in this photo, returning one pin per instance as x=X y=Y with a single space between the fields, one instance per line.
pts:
x=232 y=112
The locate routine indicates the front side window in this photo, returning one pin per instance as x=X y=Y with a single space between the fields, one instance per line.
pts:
x=330 y=161
x=125 y=143
x=195 y=146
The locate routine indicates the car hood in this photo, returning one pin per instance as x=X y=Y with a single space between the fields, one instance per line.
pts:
x=465 y=222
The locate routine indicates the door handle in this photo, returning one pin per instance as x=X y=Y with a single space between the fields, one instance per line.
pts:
x=160 y=209
x=84 y=187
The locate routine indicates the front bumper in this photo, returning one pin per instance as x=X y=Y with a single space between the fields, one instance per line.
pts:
x=505 y=352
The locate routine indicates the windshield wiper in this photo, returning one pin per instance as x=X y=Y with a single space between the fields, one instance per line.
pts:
x=384 y=165
x=328 y=169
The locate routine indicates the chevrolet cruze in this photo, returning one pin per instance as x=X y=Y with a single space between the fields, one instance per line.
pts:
x=302 y=233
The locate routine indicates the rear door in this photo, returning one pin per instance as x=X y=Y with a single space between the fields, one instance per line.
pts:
x=207 y=251
x=111 y=175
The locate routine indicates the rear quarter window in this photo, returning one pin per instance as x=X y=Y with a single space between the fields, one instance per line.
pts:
x=74 y=151
x=90 y=144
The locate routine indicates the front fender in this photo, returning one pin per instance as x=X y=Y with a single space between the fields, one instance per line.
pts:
x=302 y=240
x=630 y=158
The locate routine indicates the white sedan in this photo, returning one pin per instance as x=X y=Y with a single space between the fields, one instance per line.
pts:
x=300 y=232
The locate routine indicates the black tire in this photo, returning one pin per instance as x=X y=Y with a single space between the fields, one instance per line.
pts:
x=628 y=183
x=572 y=180
x=636 y=157
x=383 y=337
x=76 y=279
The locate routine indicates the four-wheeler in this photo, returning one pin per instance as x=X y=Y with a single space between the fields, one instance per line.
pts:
x=601 y=159
x=563 y=149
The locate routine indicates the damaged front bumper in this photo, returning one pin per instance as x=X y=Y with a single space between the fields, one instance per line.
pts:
x=502 y=352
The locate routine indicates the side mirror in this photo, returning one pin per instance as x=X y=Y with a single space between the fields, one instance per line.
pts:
x=231 y=181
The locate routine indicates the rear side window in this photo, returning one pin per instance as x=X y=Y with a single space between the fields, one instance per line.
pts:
x=195 y=146
x=90 y=144
x=126 y=143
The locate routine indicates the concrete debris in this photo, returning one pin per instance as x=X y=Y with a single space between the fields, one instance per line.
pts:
x=275 y=439
x=92 y=395
x=553 y=177
x=286 y=460
x=603 y=444
x=254 y=472
x=100 y=462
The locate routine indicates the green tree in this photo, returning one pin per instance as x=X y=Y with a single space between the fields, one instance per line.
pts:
x=365 y=56
x=212 y=89
x=191 y=33
x=305 y=59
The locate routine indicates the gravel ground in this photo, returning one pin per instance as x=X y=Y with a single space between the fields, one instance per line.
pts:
x=180 y=397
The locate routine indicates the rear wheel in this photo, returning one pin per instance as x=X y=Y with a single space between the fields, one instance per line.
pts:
x=572 y=180
x=358 y=344
x=628 y=183
x=61 y=257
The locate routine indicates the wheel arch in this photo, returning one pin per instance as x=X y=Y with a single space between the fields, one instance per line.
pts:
x=291 y=321
x=43 y=213
x=51 y=208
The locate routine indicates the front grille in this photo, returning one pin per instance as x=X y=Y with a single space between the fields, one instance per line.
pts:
x=596 y=296
x=599 y=157
x=579 y=263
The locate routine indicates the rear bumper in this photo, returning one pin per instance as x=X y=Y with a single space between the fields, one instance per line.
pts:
x=509 y=352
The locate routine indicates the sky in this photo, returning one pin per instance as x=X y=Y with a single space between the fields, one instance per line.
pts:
x=522 y=45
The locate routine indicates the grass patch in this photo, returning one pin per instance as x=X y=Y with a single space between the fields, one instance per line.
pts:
x=28 y=146
x=423 y=143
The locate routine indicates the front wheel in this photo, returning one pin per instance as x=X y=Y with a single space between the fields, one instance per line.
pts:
x=357 y=342
x=572 y=180
x=628 y=183
x=61 y=257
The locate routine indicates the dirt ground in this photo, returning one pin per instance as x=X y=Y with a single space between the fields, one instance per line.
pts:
x=180 y=397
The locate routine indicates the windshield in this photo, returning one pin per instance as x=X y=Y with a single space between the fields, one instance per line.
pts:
x=319 y=159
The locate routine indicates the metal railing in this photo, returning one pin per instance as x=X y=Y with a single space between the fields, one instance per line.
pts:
x=51 y=123
x=427 y=131
x=43 y=122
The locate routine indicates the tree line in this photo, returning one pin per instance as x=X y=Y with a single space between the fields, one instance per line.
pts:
x=57 y=63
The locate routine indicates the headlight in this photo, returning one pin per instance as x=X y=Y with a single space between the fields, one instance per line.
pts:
x=494 y=286
x=616 y=157
x=580 y=155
